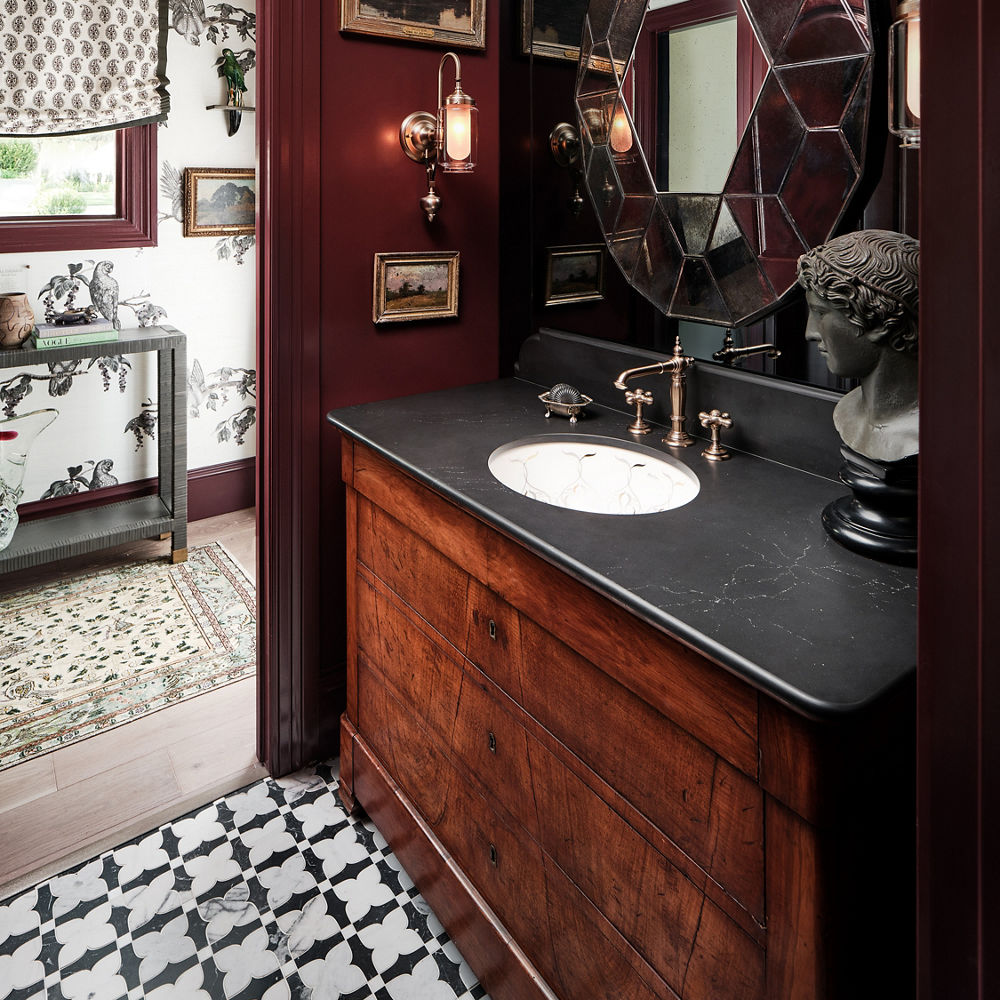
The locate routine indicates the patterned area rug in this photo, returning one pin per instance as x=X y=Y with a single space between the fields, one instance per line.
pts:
x=271 y=893
x=93 y=652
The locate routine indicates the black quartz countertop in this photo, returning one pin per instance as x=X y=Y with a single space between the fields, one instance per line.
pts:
x=745 y=573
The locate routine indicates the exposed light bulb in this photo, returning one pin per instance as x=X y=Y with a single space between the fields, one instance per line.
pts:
x=913 y=68
x=621 y=131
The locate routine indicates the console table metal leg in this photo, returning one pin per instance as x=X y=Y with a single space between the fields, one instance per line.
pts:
x=172 y=378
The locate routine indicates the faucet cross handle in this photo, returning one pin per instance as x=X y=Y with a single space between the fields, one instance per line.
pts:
x=639 y=399
x=715 y=420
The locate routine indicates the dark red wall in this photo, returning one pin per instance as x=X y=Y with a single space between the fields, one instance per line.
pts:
x=336 y=188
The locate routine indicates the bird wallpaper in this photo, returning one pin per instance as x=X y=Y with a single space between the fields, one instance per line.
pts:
x=107 y=426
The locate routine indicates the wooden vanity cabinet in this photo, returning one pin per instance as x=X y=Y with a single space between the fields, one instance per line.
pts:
x=592 y=809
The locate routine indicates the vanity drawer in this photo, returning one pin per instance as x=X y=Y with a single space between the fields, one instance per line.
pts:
x=710 y=810
x=572 y=945
x=685 y=937
x=404 y=547
x=431 y=678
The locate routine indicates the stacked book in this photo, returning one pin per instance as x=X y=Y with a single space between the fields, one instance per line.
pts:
x=50 y=335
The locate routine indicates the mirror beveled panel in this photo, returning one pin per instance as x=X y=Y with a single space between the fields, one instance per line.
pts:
x=729 y=258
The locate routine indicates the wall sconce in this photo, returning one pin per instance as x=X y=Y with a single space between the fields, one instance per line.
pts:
x=904 y=75
x=564 y=141
x=449 y=141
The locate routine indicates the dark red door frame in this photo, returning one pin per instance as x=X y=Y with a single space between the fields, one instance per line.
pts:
x=288 y=517
x=958 y=676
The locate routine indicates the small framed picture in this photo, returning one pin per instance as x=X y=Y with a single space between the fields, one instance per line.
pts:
x=552 y=28
x=219 y=201
x=574 y=274
x=458 y=23
x=411 y=286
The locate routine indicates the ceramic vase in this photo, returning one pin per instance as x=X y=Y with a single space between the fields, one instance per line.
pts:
x=16 y=438
x=16 y=319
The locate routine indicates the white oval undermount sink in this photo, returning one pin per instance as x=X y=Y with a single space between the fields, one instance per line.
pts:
x=594 y=474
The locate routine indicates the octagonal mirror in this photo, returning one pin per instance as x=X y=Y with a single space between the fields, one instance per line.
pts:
x=722 y=139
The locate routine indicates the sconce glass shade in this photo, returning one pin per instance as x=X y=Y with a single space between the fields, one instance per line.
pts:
x=904 y=70
x=458 y=128
x=620 y=138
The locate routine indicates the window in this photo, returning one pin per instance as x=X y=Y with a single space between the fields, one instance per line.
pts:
x=117 y=209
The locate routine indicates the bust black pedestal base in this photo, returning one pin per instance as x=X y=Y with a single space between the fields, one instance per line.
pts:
x=880 y=519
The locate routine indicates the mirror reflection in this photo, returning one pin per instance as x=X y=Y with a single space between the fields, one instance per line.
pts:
x=647 y=215
x=712 y=232
x=691 y=85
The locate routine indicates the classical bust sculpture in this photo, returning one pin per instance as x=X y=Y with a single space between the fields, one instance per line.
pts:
x=863 y=301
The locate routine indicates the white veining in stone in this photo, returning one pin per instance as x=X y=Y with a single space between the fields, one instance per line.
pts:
x=589 y=474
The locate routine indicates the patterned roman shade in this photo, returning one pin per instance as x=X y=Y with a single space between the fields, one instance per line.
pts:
x=81 y=65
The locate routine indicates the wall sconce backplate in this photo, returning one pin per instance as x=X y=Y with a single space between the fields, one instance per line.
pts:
x=416 y=135
x=564 y=141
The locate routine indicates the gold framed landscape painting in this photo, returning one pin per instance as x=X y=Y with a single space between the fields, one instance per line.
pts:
x=219 y=201
x=411 y=286
x=574 y=274
x=453 y=23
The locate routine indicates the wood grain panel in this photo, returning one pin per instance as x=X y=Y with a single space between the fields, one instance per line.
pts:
x=797 y=936
x=574 y=947
x=706 y=701
x=686 y=938
x=711 y=810
x=705 y=806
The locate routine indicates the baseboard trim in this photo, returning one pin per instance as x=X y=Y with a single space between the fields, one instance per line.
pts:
x=221 y=489
x=212 y=490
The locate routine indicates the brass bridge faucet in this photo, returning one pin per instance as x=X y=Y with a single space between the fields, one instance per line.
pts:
x=677 y=366
x=730 y=353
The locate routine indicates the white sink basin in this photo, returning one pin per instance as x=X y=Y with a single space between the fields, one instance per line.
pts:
x=595 y=474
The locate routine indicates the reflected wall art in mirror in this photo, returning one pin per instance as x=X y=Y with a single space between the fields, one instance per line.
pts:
x=722 y=139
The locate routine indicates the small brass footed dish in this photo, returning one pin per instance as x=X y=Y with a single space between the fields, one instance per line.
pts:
x=573 y=410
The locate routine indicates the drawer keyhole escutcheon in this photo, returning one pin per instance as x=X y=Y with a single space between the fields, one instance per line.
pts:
x=492 y=742
x=493 y=629
x=493 y=856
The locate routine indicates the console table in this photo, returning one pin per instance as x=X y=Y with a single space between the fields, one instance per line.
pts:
x=72 y=534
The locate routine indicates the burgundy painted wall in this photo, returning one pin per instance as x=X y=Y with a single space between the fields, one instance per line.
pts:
x=958 y=675
x=336 y=188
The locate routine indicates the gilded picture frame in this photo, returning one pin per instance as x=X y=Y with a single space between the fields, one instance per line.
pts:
x=552 y=28
x=415 y=286
x=445 y=24
x=574 y=274
x=219 y=201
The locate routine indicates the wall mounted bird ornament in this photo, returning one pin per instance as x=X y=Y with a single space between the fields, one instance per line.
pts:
x=230 y=69
x=104 y=293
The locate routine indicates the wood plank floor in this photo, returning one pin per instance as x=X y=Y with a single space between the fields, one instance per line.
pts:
x=79 y=800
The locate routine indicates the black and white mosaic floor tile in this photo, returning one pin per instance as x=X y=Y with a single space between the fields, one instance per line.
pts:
x=271 y=893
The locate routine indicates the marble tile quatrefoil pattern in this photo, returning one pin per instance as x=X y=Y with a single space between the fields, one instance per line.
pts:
x=271 y=893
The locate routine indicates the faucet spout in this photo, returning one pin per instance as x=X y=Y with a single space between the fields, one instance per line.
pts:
x=730 y=353
x=656 y=368
x=677 y=367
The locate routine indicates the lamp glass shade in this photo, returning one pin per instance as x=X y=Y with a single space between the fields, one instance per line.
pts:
x=459 y=131
x=621 y=131
x=904 y=83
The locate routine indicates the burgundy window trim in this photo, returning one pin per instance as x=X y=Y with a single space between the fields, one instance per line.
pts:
x=134 y=226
